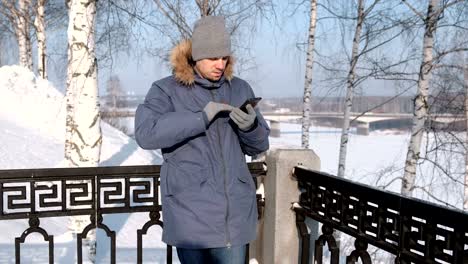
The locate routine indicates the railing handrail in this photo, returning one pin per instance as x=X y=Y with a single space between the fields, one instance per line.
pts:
x=392 y=222
x=92 y=191
x=82 y=171
x=34 y=181
x=256 y=168
x=380 y=191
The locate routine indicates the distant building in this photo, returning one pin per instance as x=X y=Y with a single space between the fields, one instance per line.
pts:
x=282 y=110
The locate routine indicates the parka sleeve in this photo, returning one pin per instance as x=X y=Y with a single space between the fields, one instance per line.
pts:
x=158 y=125
x=255 y=140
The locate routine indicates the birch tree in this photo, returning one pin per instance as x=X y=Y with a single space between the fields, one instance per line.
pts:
x=465 y=188
x=350 y=87
x=83 y=136
x=39 y=23
x=308 y=74
x=434 y=12
x=19 y=17
x=83 y=133
x=443 y=151
x=374 y=29
x=351 y=79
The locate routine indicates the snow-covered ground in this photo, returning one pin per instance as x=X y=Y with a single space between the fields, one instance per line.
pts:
x=32 y=118
x=32 y=129
x=32 y=126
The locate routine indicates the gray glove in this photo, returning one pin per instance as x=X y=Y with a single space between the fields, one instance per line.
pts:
x=212 y=109
x=243 y=120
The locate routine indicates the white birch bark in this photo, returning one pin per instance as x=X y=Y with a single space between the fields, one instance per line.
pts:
x=83 y=141
x=350 y=90
x=465 y=75
x=308 y=75
x=83 y=133
x=22 y=32
x=39 y=22
x=420 y=103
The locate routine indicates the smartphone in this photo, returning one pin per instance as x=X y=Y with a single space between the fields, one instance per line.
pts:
x=252 y=101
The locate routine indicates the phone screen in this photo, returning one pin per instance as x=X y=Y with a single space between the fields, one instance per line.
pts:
x=252 y=101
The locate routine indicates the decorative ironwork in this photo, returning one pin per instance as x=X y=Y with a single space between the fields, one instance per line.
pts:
x=87 y=229
x=413 y=230
x=154 y=220
x=34 y=228
x=260 y=205
x=37 y=193
x=304 y=233
x=327 y=238
x=359 y=252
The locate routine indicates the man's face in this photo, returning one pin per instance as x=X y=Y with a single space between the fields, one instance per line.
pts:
x=211 y=69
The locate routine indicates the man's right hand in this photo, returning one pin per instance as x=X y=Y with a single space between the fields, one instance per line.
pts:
x=212 y=109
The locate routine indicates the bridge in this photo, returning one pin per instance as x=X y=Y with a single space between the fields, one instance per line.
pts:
x=364 y=123
x=368 y=122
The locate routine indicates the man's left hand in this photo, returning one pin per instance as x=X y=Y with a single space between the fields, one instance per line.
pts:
x=243 y=120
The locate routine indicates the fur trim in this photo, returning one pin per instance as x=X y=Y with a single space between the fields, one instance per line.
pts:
x=182 y=64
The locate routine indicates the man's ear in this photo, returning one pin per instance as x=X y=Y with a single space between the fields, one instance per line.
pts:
x=191 y=61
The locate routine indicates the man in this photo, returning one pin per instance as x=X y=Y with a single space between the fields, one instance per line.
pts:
x=208 y=194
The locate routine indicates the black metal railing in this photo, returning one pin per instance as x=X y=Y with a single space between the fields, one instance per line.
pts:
x=39 y=193
x=412 y=230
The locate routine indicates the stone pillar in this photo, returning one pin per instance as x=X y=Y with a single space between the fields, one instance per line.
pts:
x=275 y=128
x=363 y=129
x=277 y=236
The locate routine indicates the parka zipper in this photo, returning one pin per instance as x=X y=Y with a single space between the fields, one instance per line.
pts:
x=228 y=238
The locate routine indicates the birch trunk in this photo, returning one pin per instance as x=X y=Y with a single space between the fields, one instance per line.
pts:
x=83 y=133
x=465 y=75
x=350 y=90
x=420 y=102
x=22 y=32
x=83 y=141
x=39 y=22
x=308 y=75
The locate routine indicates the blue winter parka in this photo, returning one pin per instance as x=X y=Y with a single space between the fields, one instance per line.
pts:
x=207 y=192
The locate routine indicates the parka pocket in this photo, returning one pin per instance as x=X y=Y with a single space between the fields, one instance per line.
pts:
x=179 y=180
x=246 y=178
x=243 y=185
x=243 y=198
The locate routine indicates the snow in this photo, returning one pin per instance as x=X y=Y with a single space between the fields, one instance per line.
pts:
x=366 y=154
x=32 y=126
x=32 y=114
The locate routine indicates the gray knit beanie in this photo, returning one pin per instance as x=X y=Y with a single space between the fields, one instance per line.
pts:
x=210 y=38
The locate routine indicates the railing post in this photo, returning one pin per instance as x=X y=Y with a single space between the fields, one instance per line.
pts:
x=277 y=234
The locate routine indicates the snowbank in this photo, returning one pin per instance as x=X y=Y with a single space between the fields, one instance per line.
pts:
x=32 y=126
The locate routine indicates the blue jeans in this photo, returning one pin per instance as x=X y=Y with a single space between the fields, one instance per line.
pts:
x=224 y=255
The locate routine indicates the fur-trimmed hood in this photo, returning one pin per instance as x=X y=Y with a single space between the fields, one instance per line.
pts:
x=182 y=64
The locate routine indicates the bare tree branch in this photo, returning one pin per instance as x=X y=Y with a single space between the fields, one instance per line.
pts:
x=419 y=14
x=185 y=33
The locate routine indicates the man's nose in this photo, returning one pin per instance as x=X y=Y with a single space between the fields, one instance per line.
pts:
x=219 y=64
